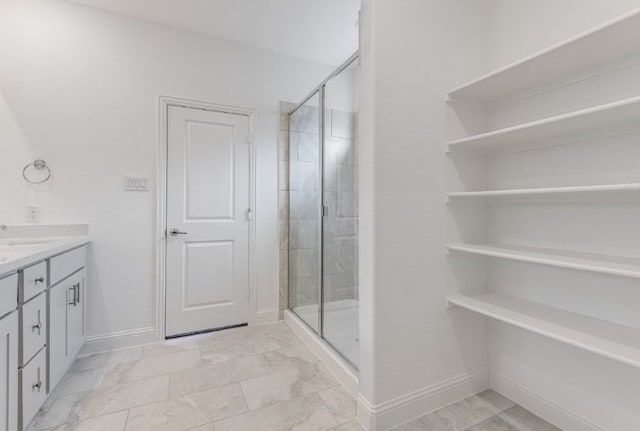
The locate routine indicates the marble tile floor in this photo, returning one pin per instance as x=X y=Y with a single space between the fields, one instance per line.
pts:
x=244 y=379
x=486 y=411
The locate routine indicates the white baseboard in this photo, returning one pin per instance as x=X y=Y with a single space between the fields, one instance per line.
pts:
x=543 y=407
x=410 y=406
x=119 y=340
x=265 y=317
x=336 y=365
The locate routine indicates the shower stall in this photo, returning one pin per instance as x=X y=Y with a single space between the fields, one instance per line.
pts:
x=323 y=211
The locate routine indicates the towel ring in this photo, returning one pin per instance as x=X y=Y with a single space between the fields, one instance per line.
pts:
x=39 y=165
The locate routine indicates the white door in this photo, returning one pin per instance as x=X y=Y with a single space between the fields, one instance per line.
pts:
x=208 y=172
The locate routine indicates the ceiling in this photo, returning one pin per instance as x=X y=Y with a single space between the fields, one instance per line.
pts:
x=323 y=31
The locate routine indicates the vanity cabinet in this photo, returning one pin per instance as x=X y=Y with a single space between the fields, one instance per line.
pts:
x=67 y=324
x=49 y=329
x=9 y=353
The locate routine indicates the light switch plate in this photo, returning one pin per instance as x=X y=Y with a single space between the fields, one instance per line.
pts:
x=136 y=184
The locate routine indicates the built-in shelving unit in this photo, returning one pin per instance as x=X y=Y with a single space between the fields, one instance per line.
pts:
x=609 y=119
x=612 y=265
x=548 y=191
x=583 y=67
x=611 y=42
x=617 y=342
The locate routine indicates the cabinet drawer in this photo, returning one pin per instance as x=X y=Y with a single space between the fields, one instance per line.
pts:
x=8 y=294
x=34 y=281
x=32 y=387
x=34 y=327
x=67 y=263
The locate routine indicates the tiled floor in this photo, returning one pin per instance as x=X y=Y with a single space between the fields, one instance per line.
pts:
x=244 y=379
x=487 y=411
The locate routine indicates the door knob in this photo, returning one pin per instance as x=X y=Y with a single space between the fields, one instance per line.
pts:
x=176 y=232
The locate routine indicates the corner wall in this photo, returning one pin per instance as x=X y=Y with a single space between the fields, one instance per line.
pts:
x=416 y=355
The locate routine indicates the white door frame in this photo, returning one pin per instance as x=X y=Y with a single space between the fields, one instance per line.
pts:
x=161 y=215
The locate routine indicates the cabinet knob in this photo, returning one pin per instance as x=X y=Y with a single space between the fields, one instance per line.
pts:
x=36 y=386
x=39 y=280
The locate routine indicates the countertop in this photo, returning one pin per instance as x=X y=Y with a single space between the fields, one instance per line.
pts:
x=20 y=252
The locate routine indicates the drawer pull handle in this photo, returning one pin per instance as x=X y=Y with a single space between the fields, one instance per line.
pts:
x=38 y=326
x=76 y=297
x=37 y=385
x=39 y=280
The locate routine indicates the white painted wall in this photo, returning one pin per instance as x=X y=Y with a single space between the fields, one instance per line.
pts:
x=416 y=354
x=79 y=87
x=521 y=27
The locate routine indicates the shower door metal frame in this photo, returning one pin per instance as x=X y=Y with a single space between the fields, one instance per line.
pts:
x=320 y=90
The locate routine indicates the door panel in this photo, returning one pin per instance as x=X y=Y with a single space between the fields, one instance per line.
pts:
x=76 y=314
x=208 y=172
x=209 y=162
x=206 y=261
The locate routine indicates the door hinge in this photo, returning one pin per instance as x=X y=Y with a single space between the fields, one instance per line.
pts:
x=325 y=211
x=249 y=214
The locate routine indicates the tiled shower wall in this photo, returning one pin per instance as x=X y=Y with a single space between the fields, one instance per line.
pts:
x=301 y=199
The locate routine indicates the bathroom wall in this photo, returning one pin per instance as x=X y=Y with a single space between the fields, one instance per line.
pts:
x=522 y=27
x=79 y=87
x=415 y=354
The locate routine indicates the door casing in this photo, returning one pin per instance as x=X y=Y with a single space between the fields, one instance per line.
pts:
x=161 y=211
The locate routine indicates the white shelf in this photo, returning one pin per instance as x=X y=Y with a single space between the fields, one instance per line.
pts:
x=612 y=41
x=605 y=119
x=617 y=342
x=579 y=190
x=612 y=265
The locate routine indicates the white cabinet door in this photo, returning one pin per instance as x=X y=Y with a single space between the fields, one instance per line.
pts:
x=67 y=325
x=9 y=373
x=75 y=329
x=59 y=358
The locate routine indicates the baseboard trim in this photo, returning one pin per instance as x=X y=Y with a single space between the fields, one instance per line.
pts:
x=336 y=365
x=403 y=409
x=549 y=410
x=266 y=317
x=119 y=340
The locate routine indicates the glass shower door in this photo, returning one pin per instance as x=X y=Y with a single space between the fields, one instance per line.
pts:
x=340 y=223
x=305 y=206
